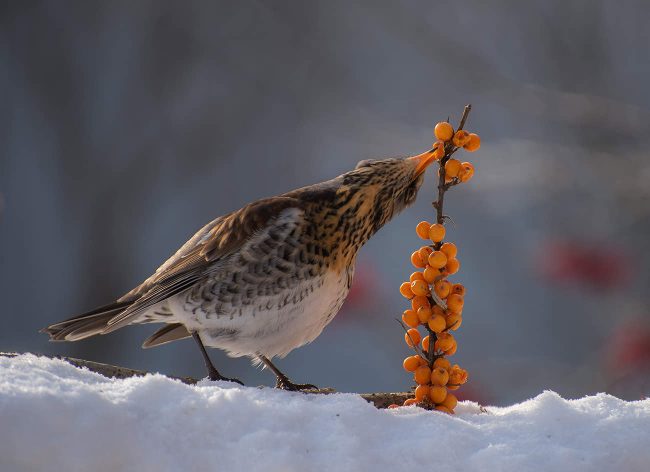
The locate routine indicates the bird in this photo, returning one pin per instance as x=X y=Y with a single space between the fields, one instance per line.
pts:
x=267 y=278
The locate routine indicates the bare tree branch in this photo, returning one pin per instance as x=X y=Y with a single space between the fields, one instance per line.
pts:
x=380 y=400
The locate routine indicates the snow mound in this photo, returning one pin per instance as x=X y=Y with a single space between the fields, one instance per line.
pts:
x=54 y=416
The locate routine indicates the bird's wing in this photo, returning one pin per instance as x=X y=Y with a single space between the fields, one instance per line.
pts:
x=193 y=261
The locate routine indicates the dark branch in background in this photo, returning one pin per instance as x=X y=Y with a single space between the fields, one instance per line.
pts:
x=380 y=400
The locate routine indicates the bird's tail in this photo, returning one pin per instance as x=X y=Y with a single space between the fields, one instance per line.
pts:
x=86 y=325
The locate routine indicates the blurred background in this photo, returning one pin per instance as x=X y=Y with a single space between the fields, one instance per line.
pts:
x=126 y=126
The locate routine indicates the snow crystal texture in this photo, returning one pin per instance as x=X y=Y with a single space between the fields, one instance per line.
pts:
x=54 y=416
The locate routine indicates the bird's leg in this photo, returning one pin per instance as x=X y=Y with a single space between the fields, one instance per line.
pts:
x=283 y=381
x=213 y=373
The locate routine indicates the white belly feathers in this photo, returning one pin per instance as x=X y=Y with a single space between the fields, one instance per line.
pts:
x=276 y=331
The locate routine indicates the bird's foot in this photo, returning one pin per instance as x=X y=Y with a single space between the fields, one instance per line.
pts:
x=285 y=384
x=214 y=375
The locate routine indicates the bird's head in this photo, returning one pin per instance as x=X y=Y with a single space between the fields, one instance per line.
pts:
x=376 y=190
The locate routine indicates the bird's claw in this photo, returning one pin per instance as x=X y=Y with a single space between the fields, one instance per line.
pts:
x=214 y=376
x=286 y=384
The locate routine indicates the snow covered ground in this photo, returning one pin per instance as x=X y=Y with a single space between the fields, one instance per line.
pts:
x=56 y=417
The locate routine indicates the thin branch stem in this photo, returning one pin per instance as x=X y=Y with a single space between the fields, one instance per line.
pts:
x=463 y=118
x=416 y=347
x=443 y=186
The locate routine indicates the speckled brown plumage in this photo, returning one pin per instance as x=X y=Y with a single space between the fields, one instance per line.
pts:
x=267 y=278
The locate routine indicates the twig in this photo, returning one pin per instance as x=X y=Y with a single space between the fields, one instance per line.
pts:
x=443 y=186
x=416 y=347
x=463 y=118
x=380 y=399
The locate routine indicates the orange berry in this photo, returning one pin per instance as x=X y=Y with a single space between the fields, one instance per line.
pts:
x=439 y=376
x=416 y=276
x=422 y=229
x=410 y=318
x=456 y=378
x=411 y=363
x=461 y=137
x=466 y=172
x=444 y=131
x=473 y=143
x=455 y=303
x=452 y=351
x=423 y=361
x=436 y=310
x=424 y=253
x=412 y=337
x=457 y=375
x=410 y=401
x=442 y=288
x=437 y=324
x=421 y=392
x=449 y=249
x=419 y=288
x=392 y=405
x=417 y=261
x=450 y=401
x=453 y=265
x=418 y=302
x=458 y=289
x=452 y=168
x=436 y=232
x=437 y=259
x=442 y=362
x=437 y=393
x=453 y=321
x=444 y=409
x=448 y=313
x=424 y=314
x=452 y=386
x=430 y=274
x=405 y=290
x=444 y=342
x=425 y=343
x=422 y=375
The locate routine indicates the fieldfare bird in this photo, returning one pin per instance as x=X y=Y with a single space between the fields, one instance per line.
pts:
x=265 y=279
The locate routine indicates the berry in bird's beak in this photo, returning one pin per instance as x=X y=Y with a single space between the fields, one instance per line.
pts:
x=422 y=161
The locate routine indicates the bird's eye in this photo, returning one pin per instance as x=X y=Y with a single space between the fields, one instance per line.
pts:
x=365 y=163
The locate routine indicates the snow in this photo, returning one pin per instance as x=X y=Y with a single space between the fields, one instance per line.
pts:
x=54 y=416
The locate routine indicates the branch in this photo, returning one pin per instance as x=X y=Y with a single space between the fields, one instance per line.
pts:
x=380 y=400
x=463 y=118
x=450 y=149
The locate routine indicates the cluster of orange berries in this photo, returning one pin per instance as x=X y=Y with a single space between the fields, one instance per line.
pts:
x=437 y=304
x=454 y=169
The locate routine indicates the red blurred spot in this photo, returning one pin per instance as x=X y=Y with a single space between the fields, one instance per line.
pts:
x=594 y=266
x=629 y=347
x=364 y=288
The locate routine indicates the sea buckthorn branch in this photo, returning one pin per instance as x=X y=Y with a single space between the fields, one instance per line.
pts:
x=450 y=149
x=443 y=186
x=436 y=303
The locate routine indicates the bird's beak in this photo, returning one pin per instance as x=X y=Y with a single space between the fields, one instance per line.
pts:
x=422 y=161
